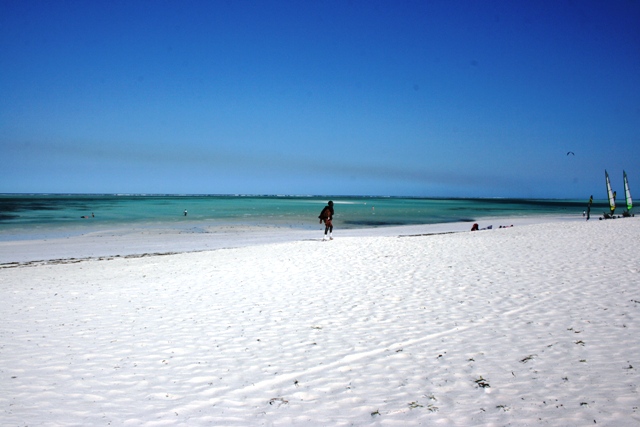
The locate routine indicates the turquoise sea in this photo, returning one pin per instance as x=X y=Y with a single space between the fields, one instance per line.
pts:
x=29 y=216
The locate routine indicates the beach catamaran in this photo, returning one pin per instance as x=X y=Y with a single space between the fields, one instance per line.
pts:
x=612 y=198
x=627 y=196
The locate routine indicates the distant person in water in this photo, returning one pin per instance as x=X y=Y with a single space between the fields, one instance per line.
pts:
x=326 y=216
x=185 y=212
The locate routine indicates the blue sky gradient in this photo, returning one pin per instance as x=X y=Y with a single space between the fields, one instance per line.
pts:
x=402 y=98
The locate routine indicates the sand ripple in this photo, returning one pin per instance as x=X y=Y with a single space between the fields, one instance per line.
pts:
x=532 y=325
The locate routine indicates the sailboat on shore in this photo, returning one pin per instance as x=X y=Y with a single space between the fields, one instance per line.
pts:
x=627 y=196
x=611 y=195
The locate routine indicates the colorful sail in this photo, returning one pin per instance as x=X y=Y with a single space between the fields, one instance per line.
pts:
x=627 y=193
x=610 y=194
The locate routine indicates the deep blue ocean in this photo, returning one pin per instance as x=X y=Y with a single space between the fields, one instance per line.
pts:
x=24 y=216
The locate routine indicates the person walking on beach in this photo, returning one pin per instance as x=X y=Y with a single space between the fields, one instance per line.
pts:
x=326 y=215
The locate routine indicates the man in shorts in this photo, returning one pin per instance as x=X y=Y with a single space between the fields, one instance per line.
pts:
x=326 y=216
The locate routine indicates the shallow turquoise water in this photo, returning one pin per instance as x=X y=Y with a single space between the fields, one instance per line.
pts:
x=31 y=216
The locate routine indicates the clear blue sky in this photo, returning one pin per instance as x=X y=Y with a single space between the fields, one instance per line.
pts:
x=406 y=98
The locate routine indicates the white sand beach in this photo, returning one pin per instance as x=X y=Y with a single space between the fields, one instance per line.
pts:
x=532 y=325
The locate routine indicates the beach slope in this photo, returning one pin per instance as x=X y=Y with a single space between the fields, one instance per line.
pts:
x=530 y=325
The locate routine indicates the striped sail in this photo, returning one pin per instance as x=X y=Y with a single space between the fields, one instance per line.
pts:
x=610 y=194
x=627 y=193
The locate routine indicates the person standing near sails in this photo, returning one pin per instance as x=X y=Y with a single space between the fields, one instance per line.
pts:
x=326 y=216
